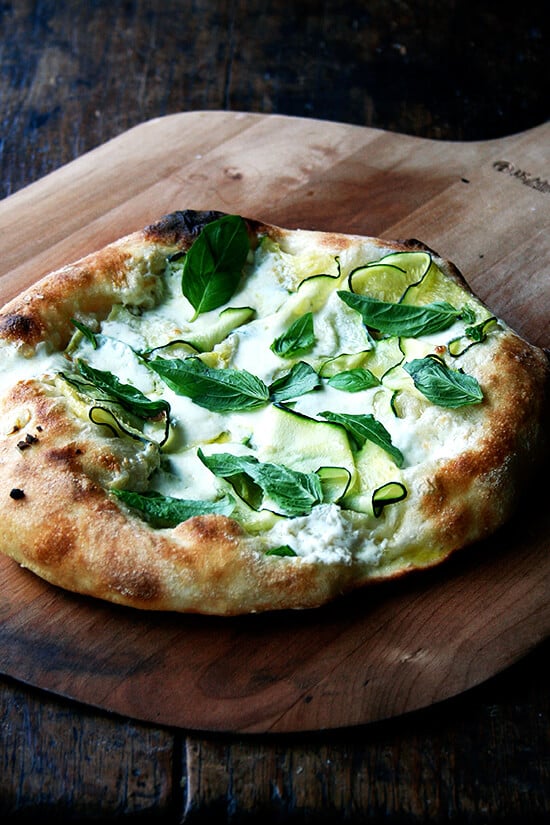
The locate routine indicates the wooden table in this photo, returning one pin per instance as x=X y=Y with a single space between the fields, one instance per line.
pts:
x=71 y=79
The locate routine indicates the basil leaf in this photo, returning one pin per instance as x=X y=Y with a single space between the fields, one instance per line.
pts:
x=467 y=314
x=297 y=339
x=213 y=265
x=218 y=390
x=354 y=380
x=402 y=319
x=283 y=550
x=128 y=396
x=301 y=379
x=293 y=492
x=443 y=386
x=88 y=333
x=363 y=428
x=239 y=470
x=166 y=511
x=472 y=335
x=479 y=332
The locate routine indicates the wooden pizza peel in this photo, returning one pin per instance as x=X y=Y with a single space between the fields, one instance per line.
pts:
x=385 y=650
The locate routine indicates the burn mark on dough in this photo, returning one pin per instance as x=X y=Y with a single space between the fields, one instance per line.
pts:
x=180 y=226
x=27 y=442
x=19 y=327
x=69 y=455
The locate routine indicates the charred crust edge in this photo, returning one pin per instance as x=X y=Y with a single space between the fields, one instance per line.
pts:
x=16 y=327
x=180 y=226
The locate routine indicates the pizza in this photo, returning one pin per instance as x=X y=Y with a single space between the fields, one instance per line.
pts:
x=220 y=416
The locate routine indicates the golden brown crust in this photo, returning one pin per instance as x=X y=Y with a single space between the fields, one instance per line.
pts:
x=60 y=521
x=66 y=528
x=476 y=491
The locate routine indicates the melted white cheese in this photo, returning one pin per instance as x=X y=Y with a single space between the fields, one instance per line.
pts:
x=326 y=536
x=14 y=366
x=424 y=433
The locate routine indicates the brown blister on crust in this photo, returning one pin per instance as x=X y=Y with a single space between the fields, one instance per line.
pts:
x=180 y=229
x=211 y=528
x=57 y=542
x=208 y=544
x=139 y=586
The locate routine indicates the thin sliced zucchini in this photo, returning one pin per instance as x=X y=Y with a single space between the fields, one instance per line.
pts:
x=335 y=482
x=311 y=295
x=389 y=493
x=387 y=355
x=205 y=336
x=375 y=469
x=343 y=363
x=253 y=521
x=435 y=286
x=303 y=443
x=473 y=335
x=297 y=267
x=388 y=278
x=115 y=424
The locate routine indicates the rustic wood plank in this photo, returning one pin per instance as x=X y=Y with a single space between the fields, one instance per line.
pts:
x=61 y=761
x=69 y=82
x=71 y=79
x=360 y=665
x=464 y=760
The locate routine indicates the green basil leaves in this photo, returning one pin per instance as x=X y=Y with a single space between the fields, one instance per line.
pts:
x=405 y=320
x=218 y=390
x=128 y=396
x=442 y=385
x=283 y=550
x=363 y=428
x=213 y=266
x=297 y=339
x=119 y=406
x=354 y=380
x=231 y=390
x=289 y=492
x=166 y=511
x=301 y=379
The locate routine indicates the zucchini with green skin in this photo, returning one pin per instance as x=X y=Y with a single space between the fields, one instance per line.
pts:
x=255 y=501
x=389 y=278
x=218 y=330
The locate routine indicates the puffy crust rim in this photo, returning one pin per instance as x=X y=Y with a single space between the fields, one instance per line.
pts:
x=93 y=545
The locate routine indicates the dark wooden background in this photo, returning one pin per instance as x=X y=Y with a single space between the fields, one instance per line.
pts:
x=73 y=75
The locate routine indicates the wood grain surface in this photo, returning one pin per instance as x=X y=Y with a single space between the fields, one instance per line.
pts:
x=386 y=650
x=74 y=75
x=464 y=760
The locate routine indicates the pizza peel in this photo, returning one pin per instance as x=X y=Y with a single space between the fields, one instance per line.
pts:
x=387 y=649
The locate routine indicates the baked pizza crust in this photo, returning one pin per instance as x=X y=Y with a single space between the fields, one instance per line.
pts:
x=66 y=527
